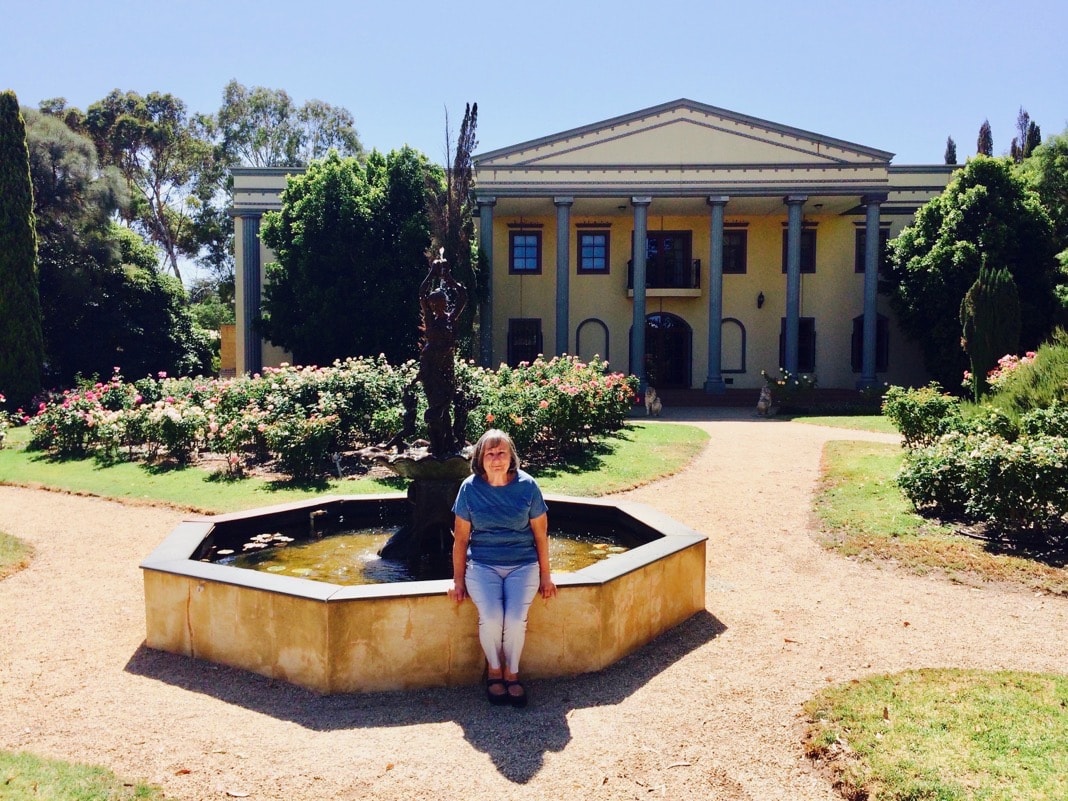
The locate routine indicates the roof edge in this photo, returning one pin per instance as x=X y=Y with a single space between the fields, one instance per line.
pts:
x=686 y=103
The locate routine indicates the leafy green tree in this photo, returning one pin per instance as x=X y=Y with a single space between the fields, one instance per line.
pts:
x=21 y=342
x=351 y=241
x=951 y=151
x=167 y=161
x=990 y=319
x=261 y=127
x=984 y=146
x=1046 y=171
x=74 y=198
x=95 y=275
x=258 y=127
x=986 y=211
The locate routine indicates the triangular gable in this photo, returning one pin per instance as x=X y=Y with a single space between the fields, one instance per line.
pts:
x=682 y=134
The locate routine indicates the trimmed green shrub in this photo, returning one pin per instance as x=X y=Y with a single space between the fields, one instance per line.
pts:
x=921 y=415
x=990 y=317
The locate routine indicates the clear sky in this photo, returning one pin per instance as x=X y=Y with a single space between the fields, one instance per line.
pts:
x=898 y=76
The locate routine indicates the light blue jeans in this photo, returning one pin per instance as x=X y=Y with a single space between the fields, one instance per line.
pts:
x=503 y=595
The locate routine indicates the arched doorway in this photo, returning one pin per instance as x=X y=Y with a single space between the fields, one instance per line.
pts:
x=668 y=351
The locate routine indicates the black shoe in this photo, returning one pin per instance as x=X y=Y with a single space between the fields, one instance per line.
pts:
x=518 y=700
x=497 y=699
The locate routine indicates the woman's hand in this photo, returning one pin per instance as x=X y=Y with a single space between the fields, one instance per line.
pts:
x=459 y=591
x=546 y=586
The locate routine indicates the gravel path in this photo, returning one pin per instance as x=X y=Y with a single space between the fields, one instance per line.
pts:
x=710 y=710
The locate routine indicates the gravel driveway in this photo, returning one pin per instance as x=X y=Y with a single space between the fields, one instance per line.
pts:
x=710 y=710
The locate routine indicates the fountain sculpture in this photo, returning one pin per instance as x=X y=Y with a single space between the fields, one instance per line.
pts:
x=435 y=471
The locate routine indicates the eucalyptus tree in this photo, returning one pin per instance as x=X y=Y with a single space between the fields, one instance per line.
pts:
x=262 y=127
x=167 y=161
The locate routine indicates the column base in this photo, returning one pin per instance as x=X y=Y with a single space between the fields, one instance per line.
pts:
x=715 y=386
x=867 y=383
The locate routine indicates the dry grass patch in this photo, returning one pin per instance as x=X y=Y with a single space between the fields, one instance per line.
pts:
x=14 y=555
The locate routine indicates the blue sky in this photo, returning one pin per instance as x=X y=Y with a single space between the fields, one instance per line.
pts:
x=896 y=76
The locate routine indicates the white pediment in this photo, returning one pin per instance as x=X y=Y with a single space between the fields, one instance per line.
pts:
x=682 y=134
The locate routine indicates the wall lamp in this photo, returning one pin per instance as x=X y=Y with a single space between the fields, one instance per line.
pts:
x=760 y=301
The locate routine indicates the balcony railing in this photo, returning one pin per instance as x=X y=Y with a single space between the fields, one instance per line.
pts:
x=678 y=275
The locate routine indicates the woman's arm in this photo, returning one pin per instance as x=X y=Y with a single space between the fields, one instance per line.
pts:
x=540 y=526
x=461 y=536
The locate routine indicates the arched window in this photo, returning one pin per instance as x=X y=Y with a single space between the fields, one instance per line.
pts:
x=591 y=339
x=732 y=346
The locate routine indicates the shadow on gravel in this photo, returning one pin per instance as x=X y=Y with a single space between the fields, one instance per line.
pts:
x=515 y=739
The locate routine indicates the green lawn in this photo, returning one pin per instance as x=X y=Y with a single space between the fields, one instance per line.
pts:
x=640 y=453
x=862 y=422
x=25 y=777
x=945 y=735
x=864 y=515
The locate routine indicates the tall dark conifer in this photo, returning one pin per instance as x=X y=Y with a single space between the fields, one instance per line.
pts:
x=21 y=348
x=951 y=151
x=984 y=146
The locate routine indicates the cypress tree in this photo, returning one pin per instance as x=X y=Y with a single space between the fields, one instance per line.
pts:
x=990 y=317
x=984 y=145
x=21 y=348
x=951 y=151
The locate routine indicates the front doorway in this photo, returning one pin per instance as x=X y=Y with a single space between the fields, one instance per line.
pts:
x=668 y=351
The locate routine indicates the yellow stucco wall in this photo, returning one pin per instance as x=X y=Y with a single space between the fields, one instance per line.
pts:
x=833 y=295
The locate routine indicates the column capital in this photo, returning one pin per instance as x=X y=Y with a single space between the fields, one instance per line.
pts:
x=791 y=200
x=486 y=201
x=563 y=201
x=640 y=201
x=874 y=198
x=718 y=200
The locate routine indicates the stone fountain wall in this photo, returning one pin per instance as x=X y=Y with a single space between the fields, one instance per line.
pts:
x=334 y=639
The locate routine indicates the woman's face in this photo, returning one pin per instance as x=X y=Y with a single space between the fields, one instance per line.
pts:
x=496 y=458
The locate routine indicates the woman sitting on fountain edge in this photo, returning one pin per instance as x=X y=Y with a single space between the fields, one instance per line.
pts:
x=500 y=557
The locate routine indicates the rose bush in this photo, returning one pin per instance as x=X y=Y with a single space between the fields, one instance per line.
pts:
x=299 y=416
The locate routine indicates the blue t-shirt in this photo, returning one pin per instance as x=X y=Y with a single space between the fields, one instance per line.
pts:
x=500 y=519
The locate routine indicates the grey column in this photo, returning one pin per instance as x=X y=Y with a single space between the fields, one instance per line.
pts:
x=871 y=285
x=793 y=278
x=563 y=273
x=714 y=384
x=485 y=309
x=253 y=290
x=637 y=329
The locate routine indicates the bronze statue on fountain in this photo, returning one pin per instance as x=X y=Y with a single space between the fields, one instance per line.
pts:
x=437 y=469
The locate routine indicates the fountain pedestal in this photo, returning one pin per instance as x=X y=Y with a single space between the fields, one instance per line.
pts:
x=426 y=542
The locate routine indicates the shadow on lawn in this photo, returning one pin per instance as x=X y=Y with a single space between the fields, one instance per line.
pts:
x=515 y=740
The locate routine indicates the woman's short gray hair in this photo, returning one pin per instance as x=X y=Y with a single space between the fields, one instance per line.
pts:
x=492 y=437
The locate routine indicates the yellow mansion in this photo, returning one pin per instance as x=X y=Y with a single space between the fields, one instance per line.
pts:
x=687 y=244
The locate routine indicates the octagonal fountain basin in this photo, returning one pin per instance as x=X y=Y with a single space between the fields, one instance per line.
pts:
x=335 y=638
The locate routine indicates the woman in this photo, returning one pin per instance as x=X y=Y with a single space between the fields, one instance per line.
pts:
x=500 y=558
